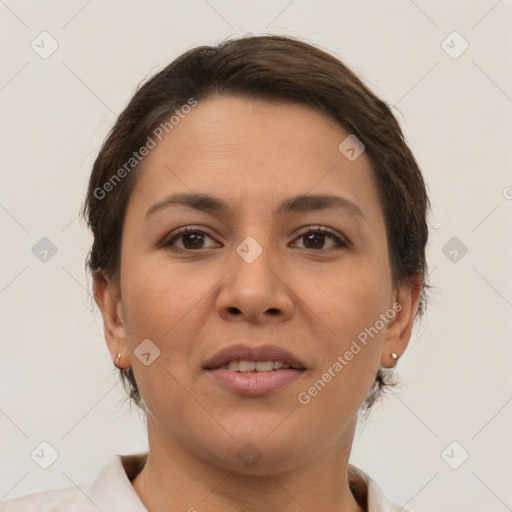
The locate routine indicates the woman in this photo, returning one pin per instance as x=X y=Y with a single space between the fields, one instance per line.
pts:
x=259 y=260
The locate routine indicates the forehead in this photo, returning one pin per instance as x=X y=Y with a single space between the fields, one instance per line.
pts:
x=255 y=130
x=254 y=150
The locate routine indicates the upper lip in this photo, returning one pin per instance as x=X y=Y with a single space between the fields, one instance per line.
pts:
x=246 y=353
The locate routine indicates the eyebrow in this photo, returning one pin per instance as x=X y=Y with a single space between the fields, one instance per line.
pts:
x=299 y=203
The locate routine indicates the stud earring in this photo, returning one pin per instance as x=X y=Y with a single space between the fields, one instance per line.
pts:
x=118 y=359
x=394 y=356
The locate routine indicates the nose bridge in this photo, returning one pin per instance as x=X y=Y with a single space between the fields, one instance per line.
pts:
x=253 y=289
x=252 y=262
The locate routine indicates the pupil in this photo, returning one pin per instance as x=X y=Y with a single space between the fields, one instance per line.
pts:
x=196 y=240
x=315 y=238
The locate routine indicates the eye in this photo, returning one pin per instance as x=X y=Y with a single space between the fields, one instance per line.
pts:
x=192 y=238
x=315 y=239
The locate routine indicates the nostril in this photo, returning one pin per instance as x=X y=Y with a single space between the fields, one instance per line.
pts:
x=234 y=310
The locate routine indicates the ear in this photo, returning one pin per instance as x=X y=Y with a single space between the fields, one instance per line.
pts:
x=398 y=332
x=108 y=298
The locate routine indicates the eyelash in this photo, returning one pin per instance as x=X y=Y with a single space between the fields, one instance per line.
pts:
x=341 y=243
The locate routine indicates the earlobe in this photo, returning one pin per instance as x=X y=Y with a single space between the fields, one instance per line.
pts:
x=108 y=299
x=398 y=332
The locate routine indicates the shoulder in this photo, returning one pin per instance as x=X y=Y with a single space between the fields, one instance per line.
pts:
x=112 y=490
x=368 y=493
x=68 y=499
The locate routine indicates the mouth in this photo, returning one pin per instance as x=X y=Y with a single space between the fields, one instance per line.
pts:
x=255 y=366
x=244 y=358
x=254 y=370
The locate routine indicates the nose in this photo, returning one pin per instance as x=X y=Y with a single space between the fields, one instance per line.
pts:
x=256 y=291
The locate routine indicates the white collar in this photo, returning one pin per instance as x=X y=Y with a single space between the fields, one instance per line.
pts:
x=113 y=490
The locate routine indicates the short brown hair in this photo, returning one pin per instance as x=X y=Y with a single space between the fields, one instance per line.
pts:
x=272 y=68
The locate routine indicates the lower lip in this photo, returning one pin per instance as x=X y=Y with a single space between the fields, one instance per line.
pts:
x=254 y=383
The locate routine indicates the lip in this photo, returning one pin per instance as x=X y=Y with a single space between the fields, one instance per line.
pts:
x=242 y=352
x=258 y=383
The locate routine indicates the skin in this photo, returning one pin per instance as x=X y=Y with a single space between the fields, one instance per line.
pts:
x=313 y=298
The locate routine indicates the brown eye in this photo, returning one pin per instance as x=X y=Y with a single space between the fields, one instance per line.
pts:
x=315 y=239
x=191 y=239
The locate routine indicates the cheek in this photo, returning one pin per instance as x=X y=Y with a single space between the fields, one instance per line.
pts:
x=157 y=300
x=347 y=302
x=346 y=311
x=169 y=304
x=165 y=304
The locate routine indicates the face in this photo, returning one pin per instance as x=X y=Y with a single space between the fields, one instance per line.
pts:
x=309 y=276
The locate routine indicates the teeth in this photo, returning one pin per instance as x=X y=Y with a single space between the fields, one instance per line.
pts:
x=246 y=366
x=251 y=366
x=233 y=366
x=267 y=366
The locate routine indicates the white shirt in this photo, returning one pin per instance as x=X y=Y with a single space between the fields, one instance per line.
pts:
x=112 y=491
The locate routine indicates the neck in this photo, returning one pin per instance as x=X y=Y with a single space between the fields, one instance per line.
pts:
x=173 y=479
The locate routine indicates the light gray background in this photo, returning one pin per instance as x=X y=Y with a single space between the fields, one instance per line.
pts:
x=57 y=379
